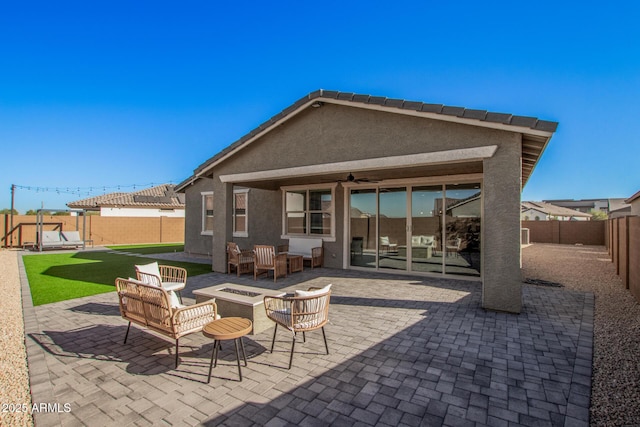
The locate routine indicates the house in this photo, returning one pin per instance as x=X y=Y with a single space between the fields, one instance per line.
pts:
x=161 y=200
x=347 y=168
x=590 y=205
x=541 y=211
x=634 y=202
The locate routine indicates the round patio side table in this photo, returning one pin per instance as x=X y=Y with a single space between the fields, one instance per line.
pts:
x=227 y=328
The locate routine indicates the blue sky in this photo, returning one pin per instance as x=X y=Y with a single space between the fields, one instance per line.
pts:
x=98 y=96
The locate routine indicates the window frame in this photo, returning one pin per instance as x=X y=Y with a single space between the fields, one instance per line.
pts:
x=331 y=237
x=203 y=230
x=245 y=233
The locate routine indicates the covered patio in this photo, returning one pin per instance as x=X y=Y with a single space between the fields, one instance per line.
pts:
x=403 y=350
x=389 y=185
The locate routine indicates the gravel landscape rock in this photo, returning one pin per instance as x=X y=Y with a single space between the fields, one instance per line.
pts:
x=14 y=376
x=615 y=388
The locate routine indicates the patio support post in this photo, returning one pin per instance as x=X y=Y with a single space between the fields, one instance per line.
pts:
x=501 y=274
x=222 y=223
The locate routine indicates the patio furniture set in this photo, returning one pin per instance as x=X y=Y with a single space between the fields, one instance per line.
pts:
x=287 y=259
x=152 y=300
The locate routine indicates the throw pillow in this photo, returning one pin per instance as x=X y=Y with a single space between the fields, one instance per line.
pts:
x=313 y=293
x=152 y=269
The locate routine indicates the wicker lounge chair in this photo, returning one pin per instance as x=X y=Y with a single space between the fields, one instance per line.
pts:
x=150 y=306
x=306 y=311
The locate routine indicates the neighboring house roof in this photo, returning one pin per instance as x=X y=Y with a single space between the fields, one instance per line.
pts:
x=633 y=198
x=536 y=133
x=461 y=202
x=92 y=203
x=553 y=210
x=161 y=196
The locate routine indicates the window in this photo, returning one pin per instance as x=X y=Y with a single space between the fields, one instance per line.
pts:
x=309 y=211
x=240 y=209
x=207 y=212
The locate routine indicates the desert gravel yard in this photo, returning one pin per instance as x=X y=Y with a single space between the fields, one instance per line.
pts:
x=615 y=388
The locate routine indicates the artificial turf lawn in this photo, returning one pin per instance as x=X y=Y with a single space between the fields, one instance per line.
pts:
x=148 y=249
x=59 y=277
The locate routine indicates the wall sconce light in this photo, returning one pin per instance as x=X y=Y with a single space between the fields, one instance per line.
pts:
x=317 y=104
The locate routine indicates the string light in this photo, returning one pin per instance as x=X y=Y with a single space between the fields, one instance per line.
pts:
x=88 y=191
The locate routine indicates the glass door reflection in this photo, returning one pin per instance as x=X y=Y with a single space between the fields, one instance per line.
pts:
x=463 y=218
x=392 y=233
x=363 y=226
x=426 y=238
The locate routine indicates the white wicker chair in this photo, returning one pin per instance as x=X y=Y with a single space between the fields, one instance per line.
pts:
x=306 y=311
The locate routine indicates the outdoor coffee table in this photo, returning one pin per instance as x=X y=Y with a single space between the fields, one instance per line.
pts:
x=295 y=263
x=227 y=328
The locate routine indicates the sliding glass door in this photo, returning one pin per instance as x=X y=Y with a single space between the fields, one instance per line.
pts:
x=462 y=218
x=426 y=220
x=363 y=225
x=425 y=229
x=392 y=228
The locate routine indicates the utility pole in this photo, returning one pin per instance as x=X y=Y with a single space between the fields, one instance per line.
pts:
x=13 y=193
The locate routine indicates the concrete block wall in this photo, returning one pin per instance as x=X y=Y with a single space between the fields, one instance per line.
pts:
x=624 y=248
x=566 y=232
x=102 y=230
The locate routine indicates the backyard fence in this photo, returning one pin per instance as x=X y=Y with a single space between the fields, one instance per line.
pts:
x=566 y=232
x=623 y=243
x=101 y=230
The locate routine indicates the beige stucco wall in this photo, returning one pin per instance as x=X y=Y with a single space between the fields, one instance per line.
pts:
x=501 y=274
x=337 y=133
x=194 y=241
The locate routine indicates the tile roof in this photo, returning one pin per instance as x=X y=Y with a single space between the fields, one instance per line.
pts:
x=161 y=196
x=93 y=202
x=531 y=150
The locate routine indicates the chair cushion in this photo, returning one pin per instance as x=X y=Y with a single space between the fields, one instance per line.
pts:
x=314 y=293
x=149 y=269
x=173 y=286
x=174 y=301
x=282 y=316
x=426 y=240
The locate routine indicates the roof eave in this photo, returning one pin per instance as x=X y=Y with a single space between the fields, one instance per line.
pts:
x=480 y=118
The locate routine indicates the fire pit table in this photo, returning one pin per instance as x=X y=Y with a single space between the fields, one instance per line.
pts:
x=240 y=301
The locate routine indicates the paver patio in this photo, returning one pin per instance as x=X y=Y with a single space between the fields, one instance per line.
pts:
x=404 y=351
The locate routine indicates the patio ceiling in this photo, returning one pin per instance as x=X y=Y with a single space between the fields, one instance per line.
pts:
x=374 y=177
x=444 y=163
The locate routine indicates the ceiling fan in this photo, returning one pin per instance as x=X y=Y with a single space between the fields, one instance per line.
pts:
x=351 y=178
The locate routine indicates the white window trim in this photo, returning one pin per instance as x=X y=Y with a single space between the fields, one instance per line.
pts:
x=328 y=186
x=246 y=213
x=203 y=231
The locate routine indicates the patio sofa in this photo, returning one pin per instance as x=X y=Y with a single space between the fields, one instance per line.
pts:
x=421 y=247
x=61 y=239
x=309 y=248
x=154 y=308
